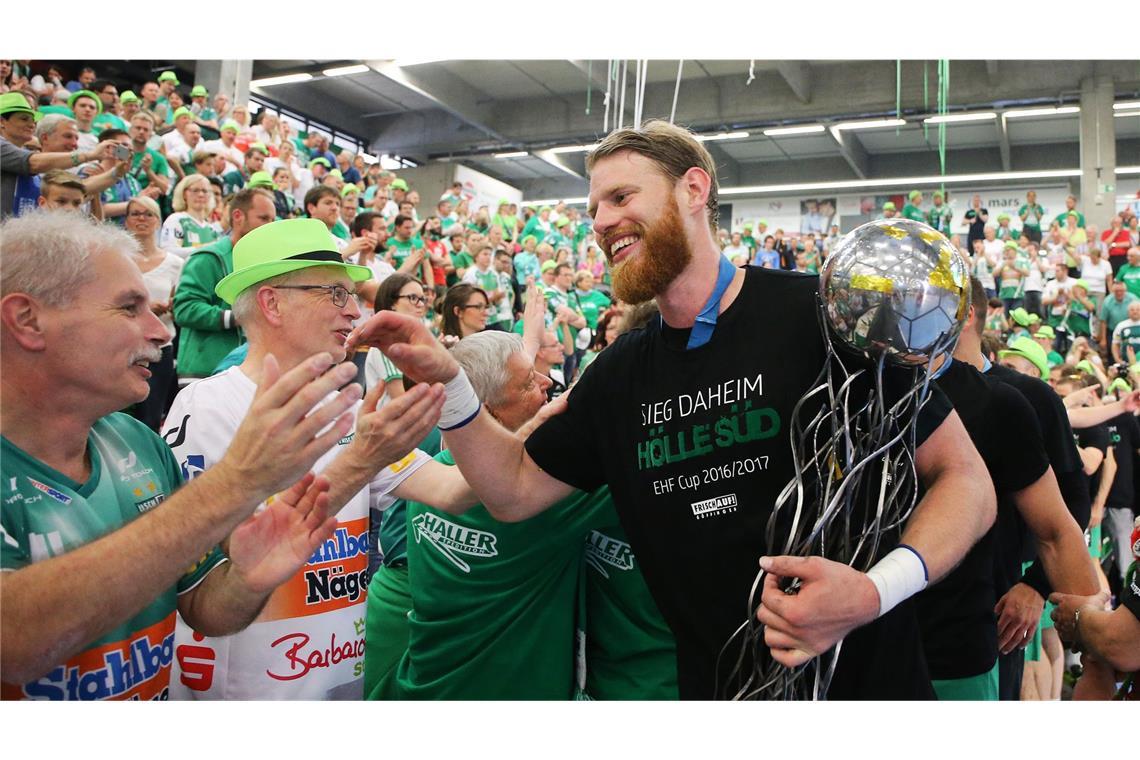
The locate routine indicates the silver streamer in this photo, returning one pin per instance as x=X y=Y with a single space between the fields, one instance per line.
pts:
x=892 y=292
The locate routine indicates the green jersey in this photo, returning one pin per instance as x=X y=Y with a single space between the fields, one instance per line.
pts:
x=401 y=249
x=593 y=303
x=1054 y=359
x=1131 y=277
x=1061 y=218
x=941 y=218
x=1127 y=334
x=180 y=230
x=340 y=230
x=233 y=181
x=508 y=223
x=630 y=650
x=750 y=242
x=1004 y=233
x=1031 y=216
x=556 y=298
x=47 y=514
x=913 y=212
x=158 y=165
x=493 y=603
x=107 y=120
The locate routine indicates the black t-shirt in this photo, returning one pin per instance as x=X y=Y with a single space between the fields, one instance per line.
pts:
x=1093 y=437
x=977 y=225
x=695 y=448
x=1061 y=448
x=1124 y=434
x=959 y=629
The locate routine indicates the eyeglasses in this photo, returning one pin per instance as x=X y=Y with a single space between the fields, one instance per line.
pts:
x=480 y=306
x=198 y=189
x=339 y=293
x=415 y=300
x=141 y=214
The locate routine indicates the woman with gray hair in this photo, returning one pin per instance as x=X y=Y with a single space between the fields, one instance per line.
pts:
x=190 y=226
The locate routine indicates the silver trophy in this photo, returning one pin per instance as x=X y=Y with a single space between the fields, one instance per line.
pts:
x=892 y=292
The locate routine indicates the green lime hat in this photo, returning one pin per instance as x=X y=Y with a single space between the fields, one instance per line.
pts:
x=1073 y=214
x=260 y=179
x=1086 y=366
x=336 y=173
x=280 y=247
x=548 y=265
x=561 y=222
x=14 y=102
x=915 y=194
x=1082 y=284
x=1045 y=331
x=1135 y=368
x=349 y=188
x=1120 y=384
x=84 y=94
x=504 y=202
x=1034 y=319
x=529 y=237
x=747 y=228
x=938 y=194
x=545 y=208
x=1026 y=348
x=128 y=97
x=320 y=160
x=1020 y=316
x=169 y=76
x=763 y=222
x=259 y=147
x=1010 y=244
x=1003 y=216
x=184 y=111
x=400 y=184
x=888 y=206
x=199 y=91
x=229 y=125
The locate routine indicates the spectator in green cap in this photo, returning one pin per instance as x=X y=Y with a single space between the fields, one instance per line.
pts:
x=539 y=225
x=1010 y=277
x=1126 y=336
x=1004 y=232
x=261 y=179
x=940 y=217
x=110 y=115
x=252 y=161
x=224 y=146
x=177 y=142
x=1031 y=214
x=1045 y=337
x=1070 y=208
x=86 y=105
x=204 y=116
x=167 y=84
x=507 y=221
x=913 y=208
x=1026 y=357
x=130 y=105
x=889 y=211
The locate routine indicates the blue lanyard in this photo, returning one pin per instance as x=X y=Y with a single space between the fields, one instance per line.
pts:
x=706 y=321
x=986 y=363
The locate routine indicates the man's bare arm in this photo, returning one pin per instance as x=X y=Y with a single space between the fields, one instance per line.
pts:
x=1060 y=542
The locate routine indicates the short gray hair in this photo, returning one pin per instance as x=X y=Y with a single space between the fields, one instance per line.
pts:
x=47 y=254
x=484 y=358
x=244 y=306
x=53 y=121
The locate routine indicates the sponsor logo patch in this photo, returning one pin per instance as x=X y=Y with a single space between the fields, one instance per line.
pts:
x=59 y=496
x=603 y=551
x=453 y=540
x=718 y=505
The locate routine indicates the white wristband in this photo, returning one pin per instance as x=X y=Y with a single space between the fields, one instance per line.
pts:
x=461 y=405
x=898 y=576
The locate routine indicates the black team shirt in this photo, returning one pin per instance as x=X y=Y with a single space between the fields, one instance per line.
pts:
x=959 y=628
x=695 y=448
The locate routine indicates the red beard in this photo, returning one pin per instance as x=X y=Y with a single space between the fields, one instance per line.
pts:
x=665 y=252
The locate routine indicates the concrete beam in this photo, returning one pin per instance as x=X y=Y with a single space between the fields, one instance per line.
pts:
x=556 y=160
x=853 y=152
x=595 y=71
x=727 y=167
x=445 y=90
x=798 y=76
x=992 y=71
x=1003 y=141
x=1097 y=150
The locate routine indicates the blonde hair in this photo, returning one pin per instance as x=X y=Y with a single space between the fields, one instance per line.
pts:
x=179 y=200
x=148 y=203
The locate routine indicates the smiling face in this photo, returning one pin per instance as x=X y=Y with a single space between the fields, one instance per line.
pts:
x=637 y=220
x=310 y=321
x=523 y=395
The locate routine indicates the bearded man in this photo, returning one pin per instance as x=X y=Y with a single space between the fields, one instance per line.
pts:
x=688 y=417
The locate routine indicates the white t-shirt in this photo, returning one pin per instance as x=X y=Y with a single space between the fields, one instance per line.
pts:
x=88 y=141
x=234 y=158
x=1054 y=288
x=1095 y=274
x=984 y=271
x=1035 y=281
x=308 y=641
x=176 y=147
x=160 y=284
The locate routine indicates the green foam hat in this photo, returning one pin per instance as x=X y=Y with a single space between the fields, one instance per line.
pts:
x=84 y=94
x=1010 y=244
x=336 y=173
x=938 y=194
x=915 y=194
x=545 y=208
x=504 y=202
x=1003 y=217
x=169 y=76
x=1120 y=384
x=763 y=222
x=1020 y=316
x=14 y=102
x=349 y=188
x=184 y=111
x=1082 y=284
x=279 y=247
x=320 y=160
x=1045 y=331
x=1034 y=319
x=400 y=184
x=261 y=179
x=199 y=91
x=548 y=265
x=888 y=206
x=561 y=222
x=1028 y=348
x=259 y=147
x=1086 y=366
x=128 y=97
x=229 y=125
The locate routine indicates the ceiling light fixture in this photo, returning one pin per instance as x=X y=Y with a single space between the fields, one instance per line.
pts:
x=283 y=79
x=1125 y=105
x=782 y=131
x=574 y=148
x=873 y=124
x=515 y=154
x=957 y=117
x=341 y=71
x=722 y=136
x=1030 y=112
x=901 y=181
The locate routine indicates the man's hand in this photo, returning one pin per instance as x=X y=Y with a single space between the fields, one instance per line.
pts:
x=833 y=599
x=1083 y=397
x=104 y=150
x=1065 y=613
x=408 y=343
x=268 y=548
x=280 y=438
x=385 y=436
x=1018 y=613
